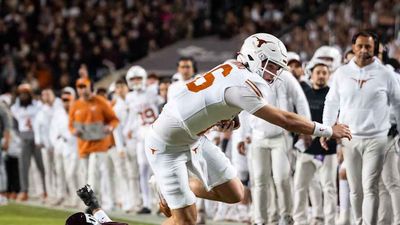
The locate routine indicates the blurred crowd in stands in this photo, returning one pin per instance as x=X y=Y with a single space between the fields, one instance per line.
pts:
x=44 y=42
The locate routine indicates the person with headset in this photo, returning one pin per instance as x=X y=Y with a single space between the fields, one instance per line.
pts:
x=360 y=95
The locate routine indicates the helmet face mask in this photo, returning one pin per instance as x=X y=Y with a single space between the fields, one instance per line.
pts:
x=270 y=71
x=136 y=83
x=260 y=48
x=135 y=73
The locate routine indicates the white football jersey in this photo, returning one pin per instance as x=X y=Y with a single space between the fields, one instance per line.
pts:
x=201 y=104
x=143 y=108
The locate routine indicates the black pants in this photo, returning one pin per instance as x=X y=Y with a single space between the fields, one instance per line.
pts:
x=12 y=170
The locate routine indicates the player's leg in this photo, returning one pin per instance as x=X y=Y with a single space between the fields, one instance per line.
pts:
x=354 y=163
x=391 y=180
x=93 y=173
x=221 y=182
x=371 y=171
x=344 y=197
x=282 y=174
x=60 y=177
x=305 y=171
x=37 y=156
x=260 y=167
x=327 y=174
x=71 y=165
x=315 y=194
x=118 y=184
x=145 y=174
x=244 y=205
x=272 y=201
x=169 y=164
x=48 y=163
x=231 y=191
x=240 y=163
x=133 y=174
x=24 y=164
x=385 y=213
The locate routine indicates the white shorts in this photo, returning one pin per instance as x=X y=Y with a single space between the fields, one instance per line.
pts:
x=171 y=166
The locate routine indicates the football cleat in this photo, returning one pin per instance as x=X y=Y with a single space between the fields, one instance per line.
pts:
x=88 y=197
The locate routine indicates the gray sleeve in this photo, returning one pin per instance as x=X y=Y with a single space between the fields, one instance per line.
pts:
x=244 y=98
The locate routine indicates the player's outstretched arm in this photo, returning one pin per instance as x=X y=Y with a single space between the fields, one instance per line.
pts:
x=298 y=124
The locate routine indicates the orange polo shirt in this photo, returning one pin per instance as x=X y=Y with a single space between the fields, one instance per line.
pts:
x=90 y=116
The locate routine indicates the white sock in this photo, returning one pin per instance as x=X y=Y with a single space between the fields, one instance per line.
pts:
x=344 y=195
x=101 y=216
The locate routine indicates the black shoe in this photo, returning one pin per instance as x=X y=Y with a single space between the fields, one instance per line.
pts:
x=144 y=210
x=87 y=195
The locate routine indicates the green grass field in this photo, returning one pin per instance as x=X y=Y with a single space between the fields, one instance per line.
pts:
x=15 y=214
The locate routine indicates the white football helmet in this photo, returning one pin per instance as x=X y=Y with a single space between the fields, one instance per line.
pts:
x=293 y=56
x=136 y=71
x=330 y=54
x=260 y=47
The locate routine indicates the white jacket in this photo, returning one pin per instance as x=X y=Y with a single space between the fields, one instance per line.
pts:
x=60 y=136
x=25 y=116
x=363 y=97
x=42 y=121
x=121 y=110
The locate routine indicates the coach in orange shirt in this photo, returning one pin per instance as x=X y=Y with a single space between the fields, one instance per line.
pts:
x=92 y=120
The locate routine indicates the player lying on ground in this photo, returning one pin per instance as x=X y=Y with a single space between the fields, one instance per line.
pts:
x=95 y=215
x=176 y=144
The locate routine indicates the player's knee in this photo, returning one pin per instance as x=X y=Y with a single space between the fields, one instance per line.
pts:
x=235 y=197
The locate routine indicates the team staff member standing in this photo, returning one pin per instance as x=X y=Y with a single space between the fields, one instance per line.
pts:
x=363 y=90
x=92 y=120
x=315 y=160
x=186 y=69
x=25 y=110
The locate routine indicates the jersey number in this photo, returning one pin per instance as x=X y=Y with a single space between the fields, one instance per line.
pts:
x=207 y=79
x=148 y=116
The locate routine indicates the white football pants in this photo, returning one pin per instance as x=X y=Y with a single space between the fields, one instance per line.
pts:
x=120 y=184
x=306 y=167
x=364 y=164
x=389 y=189
x=270 y=156
x=60 y=182
x=133 y=173
x=49 y=172
x=74 y=180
